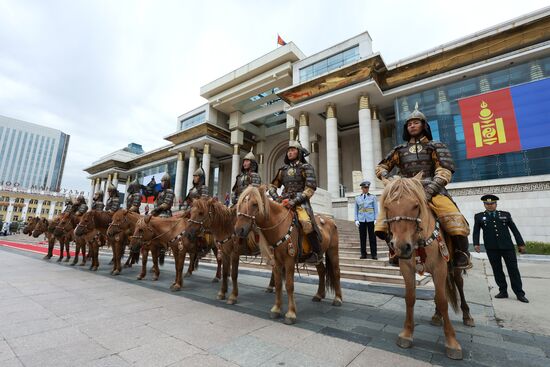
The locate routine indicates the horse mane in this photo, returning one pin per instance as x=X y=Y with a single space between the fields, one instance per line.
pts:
x=400 y=187
x=257 y=193
x=222 y=217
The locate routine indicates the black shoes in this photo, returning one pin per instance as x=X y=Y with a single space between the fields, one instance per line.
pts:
x=523 y=299
x=363 y=257
x=502 y=295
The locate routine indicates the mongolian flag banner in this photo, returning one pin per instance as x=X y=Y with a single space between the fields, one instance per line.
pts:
x=507 y=120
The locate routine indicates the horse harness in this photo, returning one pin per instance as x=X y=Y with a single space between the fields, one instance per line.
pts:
x=422 y=243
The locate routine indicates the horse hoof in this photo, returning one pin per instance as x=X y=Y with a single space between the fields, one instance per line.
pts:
x=215 y=280
x=469 y=322
x=337 y=302
x=436 y=321
x=59 y=260
x=115 y=272
x=67 y=259
x=95 y=268
x=269 y=290
x=72 y=264
x=316 y=298
x=82 y=264
x=175 y=288
x=155 y=278
x=274 y=315
x=46 y=257
x=403 y=342
x=453 y=353
x=231 y=301
x=139 y=277
x=220 y=296
x=290 y=320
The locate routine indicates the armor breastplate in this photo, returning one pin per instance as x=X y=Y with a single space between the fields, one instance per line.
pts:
x=293 y=180
x=414 y=158
x=242 y=183
x=98 y=205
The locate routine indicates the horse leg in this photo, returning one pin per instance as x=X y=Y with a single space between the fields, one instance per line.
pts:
x=84 y=244
x=67 y=250
x=405 y=338
x=61 y=249
x=176 y=286
x=234 y=276
x=269 y=288
x=219 y=266
x=290 y=316
x=191 y=267
x=321 y=271
x=467 y=318
x=95 y=257
x=144 y=254
x=51 y=244
x=333 y=267
x=155 y=269
x=437 y=319
x=452 y=347
x=76 y=252
x=226 y=267
x=277 y=276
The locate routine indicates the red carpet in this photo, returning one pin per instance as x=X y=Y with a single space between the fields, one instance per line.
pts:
x=32 y=248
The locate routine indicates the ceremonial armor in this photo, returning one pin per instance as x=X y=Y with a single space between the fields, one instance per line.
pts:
x=113 y=203
x=97 y=201
x=133 y=199
x=197 y=191
x=165 y=199
x=246 y=178
x=68 y=206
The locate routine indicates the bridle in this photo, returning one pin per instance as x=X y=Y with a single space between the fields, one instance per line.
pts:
x=421 y=242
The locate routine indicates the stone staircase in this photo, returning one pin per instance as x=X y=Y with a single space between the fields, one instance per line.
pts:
x=351 y=267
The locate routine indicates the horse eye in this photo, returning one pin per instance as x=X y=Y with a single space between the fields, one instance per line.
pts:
x=255 y=205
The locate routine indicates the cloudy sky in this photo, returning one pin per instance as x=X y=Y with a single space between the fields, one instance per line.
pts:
x=113 y=72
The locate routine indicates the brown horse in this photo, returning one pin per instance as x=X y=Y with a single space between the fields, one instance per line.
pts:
x=94 y=224
x=209 y=215
x=46 y=227
x=64 y=233
x=122 y=226
x=31 y=223
x=413 y=231
x=275 y=224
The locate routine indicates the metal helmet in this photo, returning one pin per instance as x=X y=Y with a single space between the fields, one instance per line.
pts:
x=302 y=152
x=99 y=194
x=111 y=188
x=253 y=163
x=198 y=172
x=134 y=187
x=250 y=155
x=417 y=115
x=165 y=180
x=80 y=199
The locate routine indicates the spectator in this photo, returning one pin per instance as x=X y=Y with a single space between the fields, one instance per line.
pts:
x=146 y=210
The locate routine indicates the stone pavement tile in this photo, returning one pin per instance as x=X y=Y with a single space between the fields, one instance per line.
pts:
x=119 y=340
x=443 y=360
x=245 y=323
x=247 y=351
x=283 y=335
x=13 y=362
x=432 y=337
x=329 y=348
x=346 y=335
x=29 y=327
x=291 y=358
x=49 y=339
x=522 y=359
x=511 y=347
x=67 y=354
x=378 y=357
x=346 y=323
x=389 y=345
x=203 y=360
x=5 y=351
x=543 y=342
x=161 y=352
x=108 y=361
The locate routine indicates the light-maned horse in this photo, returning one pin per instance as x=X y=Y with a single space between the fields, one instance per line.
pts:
x=46 y=227
x=94 y=224
x=123 y=225
x=211 y=216
x=412 y=225
x=64 y=233
x=255 y=212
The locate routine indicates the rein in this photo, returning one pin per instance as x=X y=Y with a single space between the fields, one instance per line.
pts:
x=160 y=235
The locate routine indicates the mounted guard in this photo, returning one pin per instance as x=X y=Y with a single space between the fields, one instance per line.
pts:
x=299 y=181
x=113 y=203
x=133 y=199
x=165 y=199
x=81 y=207
x=97 y=201
x=420 y=153
x=199 y=189
x=248 y=176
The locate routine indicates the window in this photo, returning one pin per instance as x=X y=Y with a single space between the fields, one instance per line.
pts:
x=193 y=120
x=329 y=64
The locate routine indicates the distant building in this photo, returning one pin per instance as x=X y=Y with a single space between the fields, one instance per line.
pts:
x=31 y=155
x=18 y=205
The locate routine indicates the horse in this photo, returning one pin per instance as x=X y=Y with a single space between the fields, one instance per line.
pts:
x=209 y=215
x=94 y=224
x=276 y=227
x=46 y=227
x=152 y=234
x=413 y=232
x=31 y=223
x=64 y=233
x=122 y=226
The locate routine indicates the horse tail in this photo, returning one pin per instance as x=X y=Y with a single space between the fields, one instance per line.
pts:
x=332 y=273
x=451 y=288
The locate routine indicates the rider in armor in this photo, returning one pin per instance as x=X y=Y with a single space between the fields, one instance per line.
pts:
x=165 y=199
x=97 y=201
x=68 y=204
x=420 y=153
x=248 y=176
x=113 y=203
x=81 y=206
x=299 y=181
x=133 y=199
x=198 y=190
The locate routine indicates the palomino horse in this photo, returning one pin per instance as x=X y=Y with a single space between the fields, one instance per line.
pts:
x=275 y=222
x=94 y=224
x=46 y=227
x=122 y=226
x=413 y=229
x=64 y=233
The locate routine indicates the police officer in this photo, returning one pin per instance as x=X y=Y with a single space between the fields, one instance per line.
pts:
x=366 y=210
x=498 y=243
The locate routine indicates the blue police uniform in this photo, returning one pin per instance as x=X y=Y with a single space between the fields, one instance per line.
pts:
x=366 y=211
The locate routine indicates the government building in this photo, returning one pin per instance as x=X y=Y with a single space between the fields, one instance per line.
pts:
x=485 y=96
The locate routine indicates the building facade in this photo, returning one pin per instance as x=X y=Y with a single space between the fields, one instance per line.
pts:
x=17 y=205
x=348 y=107
x=31 y=155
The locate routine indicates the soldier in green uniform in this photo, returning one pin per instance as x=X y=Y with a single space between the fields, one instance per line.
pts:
x=498 y=244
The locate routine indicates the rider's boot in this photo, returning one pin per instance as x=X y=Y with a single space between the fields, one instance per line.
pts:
x=316 y=255
x=461 y=258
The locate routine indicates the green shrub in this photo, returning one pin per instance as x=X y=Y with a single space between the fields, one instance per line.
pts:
x=537 y=248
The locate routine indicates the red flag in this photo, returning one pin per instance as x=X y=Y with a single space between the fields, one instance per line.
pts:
x=280 y=41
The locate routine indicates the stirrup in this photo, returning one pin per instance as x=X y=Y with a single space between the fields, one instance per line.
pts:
x=469 y=265
x=314 y=258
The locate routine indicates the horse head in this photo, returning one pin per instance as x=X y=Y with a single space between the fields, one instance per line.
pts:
x=119 y=223
x=200 y=218
x=142 y=233
x=64 y=225
x=405 y=205
x=40 y=227
x=252 y=209
x=86 y=225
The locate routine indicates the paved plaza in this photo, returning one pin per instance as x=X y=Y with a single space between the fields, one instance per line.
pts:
x=57 y=315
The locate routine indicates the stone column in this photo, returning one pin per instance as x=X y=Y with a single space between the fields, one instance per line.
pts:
x=39 y=208
x=377 y=140
x=303 y=131
x=25 y=209
x=235 y=164
x=206 y=157
x=314 y=157
x=192 y=168
x=178 y=186
x=365 y=139
x=115 y=180
x=97 y=185
x=333 y=163
x=52 y=209
x=105 y=193
x=92 y=192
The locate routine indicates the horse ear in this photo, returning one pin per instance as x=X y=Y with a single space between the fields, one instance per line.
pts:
x=262 y=189
x=418 y=176
x=147 y=219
